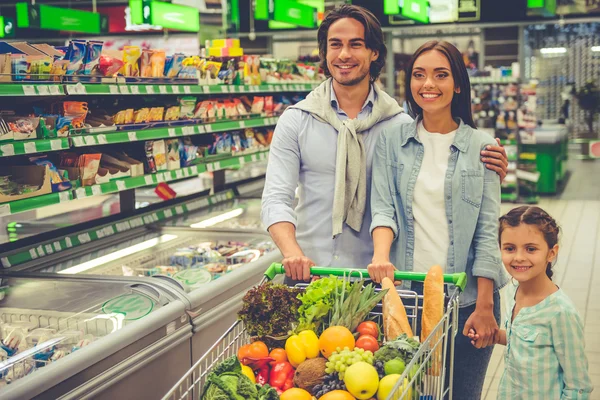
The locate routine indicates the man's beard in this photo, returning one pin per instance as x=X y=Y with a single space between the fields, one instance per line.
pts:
x=352 y=82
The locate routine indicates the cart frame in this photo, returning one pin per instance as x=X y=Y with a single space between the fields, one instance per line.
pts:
x=428 y=375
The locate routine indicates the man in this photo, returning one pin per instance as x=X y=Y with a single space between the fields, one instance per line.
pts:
x=324 y=145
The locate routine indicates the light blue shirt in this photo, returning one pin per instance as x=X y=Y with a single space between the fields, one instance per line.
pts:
x=302 y=155
x=472 y=200
x=545 y=354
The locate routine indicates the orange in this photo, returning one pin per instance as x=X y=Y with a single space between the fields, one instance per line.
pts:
x=258 y=350
x=337 y=395
x=334 y=337
x=295 y=394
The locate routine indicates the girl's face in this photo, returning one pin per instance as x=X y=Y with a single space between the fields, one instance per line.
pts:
x=525 y=253
x=432 y=83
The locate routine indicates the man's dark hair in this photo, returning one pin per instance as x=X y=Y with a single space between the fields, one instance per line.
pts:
x=373 y=35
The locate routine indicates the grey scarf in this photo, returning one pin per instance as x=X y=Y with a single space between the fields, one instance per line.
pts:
x=350 y=193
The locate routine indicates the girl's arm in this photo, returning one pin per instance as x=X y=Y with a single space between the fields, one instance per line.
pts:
x=567 y=339
x=502 y=337
x=384 y=227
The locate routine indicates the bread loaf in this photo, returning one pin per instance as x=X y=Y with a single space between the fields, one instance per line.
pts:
x=433 y=311
x=395 y=320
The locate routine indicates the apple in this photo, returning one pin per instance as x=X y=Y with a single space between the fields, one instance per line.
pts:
x=362 y=380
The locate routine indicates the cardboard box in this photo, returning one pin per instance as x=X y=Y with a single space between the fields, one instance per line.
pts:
x=5 y=68
x=136 y=167
x=106 y=175
x=31 y=175
x=225 y=52
x=229 y=43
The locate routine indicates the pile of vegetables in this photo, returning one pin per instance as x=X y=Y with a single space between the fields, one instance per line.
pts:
x=317 y=301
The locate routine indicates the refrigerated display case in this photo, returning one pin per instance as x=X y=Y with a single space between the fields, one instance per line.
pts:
x=73 y=338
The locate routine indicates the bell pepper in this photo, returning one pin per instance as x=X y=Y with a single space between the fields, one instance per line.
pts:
x=302 y=346
x=282 y=375
x=262 y=375
x=260 y=366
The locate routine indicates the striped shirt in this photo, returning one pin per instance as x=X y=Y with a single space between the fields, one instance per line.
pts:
x=545 y=355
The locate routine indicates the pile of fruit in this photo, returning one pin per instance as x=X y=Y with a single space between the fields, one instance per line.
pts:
x=319 y=344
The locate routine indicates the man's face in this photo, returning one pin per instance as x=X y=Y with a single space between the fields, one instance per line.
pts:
x=348 y=58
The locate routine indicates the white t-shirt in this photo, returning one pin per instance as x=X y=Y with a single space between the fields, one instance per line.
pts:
x=429 y=208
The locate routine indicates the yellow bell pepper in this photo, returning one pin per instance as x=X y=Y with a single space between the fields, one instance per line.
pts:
x=302 y=346
x=246 y=370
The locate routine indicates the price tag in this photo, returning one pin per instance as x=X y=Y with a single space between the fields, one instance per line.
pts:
x=162 y=89
x=208 y=128
x=186 y=172
x=172 y=132
x=150 y=89
x=242 y=124
x=206 y=89
x=4 y=209
x=80 y=89
x=224 y=89
x=96 y=190
x=29 y=90
x=100 y=234
x=175 y=89
x=78 y=141
x=168 y=213
x=179 y=174
x=121 y=185
x=132 y=136
x=178 y=210
x=109 y=230
x=148 y=179
x=217 y=166
x=242 y=160
x=253 y=158
x=29 y=147
x=7 y=150
x=102 y=139
x=135 y=90
x=56 y=144
x=84 y=238
x=57 y=246
x=49 y=249
x=64 y=196
x=54 y=90
x=90 y=140
x=200 y=128
x=194 y=170
x=113 y=89
x=210 y=167
x=68 y=242
x=160 y=178
x=188 y=130
x=81 y=193
x=33 y=254
x=43 y=90
x=187 y=89
x=40 y=251
x=124 y=89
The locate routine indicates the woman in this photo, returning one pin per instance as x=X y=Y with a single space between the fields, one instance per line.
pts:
x=434 y=202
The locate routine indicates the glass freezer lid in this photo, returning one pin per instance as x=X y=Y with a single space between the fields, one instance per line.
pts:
x=241 y=214
x=43 y=320
x=192 y=258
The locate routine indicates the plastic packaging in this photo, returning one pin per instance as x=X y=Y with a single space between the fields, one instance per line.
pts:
x=92 y=58
x=173 y=65
x=76 y=56
x=157 y=60
x=109 y=66
x=145 y=65
x=131 y=55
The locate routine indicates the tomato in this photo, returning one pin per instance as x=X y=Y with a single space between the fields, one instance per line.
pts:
x=243 y=352
x=368 y=328
x=258 y=350
x=278 y=354
x=367 y=342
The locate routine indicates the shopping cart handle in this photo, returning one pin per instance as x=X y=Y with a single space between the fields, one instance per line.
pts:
x=457 y=279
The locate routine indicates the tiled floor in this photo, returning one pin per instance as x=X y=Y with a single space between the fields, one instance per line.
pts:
x=577 y=270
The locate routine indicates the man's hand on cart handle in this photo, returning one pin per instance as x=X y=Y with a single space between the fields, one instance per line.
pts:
x=379 y=269
x=298 y=267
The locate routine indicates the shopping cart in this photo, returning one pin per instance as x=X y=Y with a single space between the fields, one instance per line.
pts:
x=427 y=377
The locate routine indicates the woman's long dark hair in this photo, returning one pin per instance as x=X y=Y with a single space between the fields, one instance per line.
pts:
x=461 y=102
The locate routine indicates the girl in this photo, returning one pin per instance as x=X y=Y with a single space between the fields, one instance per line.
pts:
x=545 y=357
x=434 y=202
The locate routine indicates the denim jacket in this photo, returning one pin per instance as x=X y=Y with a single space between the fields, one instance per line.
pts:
x=472 y=195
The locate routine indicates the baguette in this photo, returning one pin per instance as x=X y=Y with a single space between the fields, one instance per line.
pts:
x=433 y=311
x=395 y=320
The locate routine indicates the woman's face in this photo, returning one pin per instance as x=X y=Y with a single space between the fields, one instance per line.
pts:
x=432 y=83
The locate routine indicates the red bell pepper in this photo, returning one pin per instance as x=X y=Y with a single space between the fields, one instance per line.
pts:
x=282 y=375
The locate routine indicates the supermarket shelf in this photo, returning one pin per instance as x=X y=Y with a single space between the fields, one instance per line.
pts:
x=116 y=186
x=33 y=146
x=31 y=89
x=166 y=133
x=136 y=89
x=489 y=80
x=509 y=197
x=167 y=176
x=33 y=203
x=97 y=233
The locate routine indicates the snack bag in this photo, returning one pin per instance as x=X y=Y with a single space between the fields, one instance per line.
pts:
x=160 y=155
x=89 y=164
x=145 y=65
x=173 y=156
x=173 y=65
x=76 y=55
x=92 y=58
x=156 y=114
x=142 y=115
x=131 y=55
x=109 y=66
x=258 y=105
x=157 y=61
x=150 y=162
x=172 y=114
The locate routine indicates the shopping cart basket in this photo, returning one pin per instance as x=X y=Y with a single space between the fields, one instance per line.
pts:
x=427 y=377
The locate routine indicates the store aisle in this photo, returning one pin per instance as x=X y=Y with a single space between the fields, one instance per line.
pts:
x=577 y=271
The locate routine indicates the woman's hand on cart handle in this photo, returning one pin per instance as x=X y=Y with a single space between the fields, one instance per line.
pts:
x=379 y=269
x=298 y=267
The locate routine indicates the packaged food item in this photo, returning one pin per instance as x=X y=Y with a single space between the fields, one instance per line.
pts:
x=92 y=57
x=173 y=65
x=173 y=156
x=160 y=155
x=39 y=68
x=88 y=165
x=261 y=139
x=13 y=341
x=164 y=191
x=150 y=162
x=201 y=111
x=142 y=115
x=55 y=177
x=86 y=341
x=5 y=132
x=184 y=258
x=187 y=104
x=131 y=55
x=156 y=114
x=19 y=67
x=268 y=107
x=75 y=55
x=241 y=109
x=23 y=128
x=211 y=69
x=172 y=114
x=258 y=104
x=188 y=153
x=157 y=61
x=145 y=65
x=58 y=69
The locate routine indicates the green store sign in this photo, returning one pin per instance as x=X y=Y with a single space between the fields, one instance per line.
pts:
x=60 y=19
x=167 y=15
x=7 y=27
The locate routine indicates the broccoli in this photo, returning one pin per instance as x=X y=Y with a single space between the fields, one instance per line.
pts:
x=403 y=347
x=267 y=392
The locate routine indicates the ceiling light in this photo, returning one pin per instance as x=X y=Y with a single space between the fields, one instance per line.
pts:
x=218 y=219
x=117 y=254
x=553 y=50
